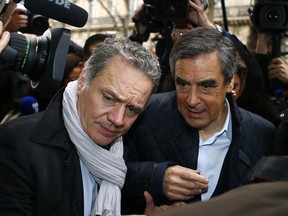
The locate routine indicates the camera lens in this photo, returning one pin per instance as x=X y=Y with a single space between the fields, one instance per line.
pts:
x=31 y=54
x=273 y=16
x=39 y=24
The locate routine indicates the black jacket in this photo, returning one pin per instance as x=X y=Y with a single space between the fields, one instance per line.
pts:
x=40 y=172
x=162 y=137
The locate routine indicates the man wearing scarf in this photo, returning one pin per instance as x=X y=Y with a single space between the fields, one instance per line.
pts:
x=68 y=160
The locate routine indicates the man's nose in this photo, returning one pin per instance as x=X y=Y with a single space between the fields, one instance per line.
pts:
x=116 y=116
x=193 y=97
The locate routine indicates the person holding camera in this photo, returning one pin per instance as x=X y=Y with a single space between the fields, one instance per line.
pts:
x=197 y=18
x=277 y=68
x=67 y=160
x=268 y=35
x=194 y=143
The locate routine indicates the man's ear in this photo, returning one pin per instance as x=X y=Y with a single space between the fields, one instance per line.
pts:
x=231 y=85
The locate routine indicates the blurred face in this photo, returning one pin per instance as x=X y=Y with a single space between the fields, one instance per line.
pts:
x=108 y=107
x=73 y=75
x=201 y=91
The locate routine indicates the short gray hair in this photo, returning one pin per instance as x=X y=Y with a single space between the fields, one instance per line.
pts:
x=133 y=53
x=204 y=40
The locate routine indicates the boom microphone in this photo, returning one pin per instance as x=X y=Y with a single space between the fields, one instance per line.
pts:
x=60 y=10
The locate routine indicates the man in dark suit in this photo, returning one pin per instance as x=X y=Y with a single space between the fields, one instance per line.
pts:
x=68 y=160
x=194 y=143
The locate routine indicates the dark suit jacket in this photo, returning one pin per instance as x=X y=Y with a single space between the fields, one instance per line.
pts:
x=265 y=199
x=40 y=172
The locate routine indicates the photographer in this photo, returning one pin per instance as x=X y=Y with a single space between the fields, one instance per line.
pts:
x=267 y=30
x=277 y=68
x=197 y=18
x=168 y=31
x=23 y=20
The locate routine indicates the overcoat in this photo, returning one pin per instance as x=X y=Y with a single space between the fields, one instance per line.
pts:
x=40 y=170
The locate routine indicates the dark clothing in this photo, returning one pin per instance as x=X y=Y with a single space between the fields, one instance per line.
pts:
x=281 y=139
x=40 y=171
x=276 y=89
x=161 y=138
x=265 y=199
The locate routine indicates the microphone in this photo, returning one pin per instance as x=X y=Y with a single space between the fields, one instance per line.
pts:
x=60 y=10
x=29 y=105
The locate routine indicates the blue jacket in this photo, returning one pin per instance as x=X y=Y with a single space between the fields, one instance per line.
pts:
x=161 y=138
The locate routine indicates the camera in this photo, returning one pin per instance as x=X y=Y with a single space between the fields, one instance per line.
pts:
x=42 y=58
x=270 y=15
x=159 y=16
x=37 y=24
x=168 y=10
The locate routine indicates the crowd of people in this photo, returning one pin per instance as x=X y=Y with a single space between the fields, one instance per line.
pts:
x=122 y=136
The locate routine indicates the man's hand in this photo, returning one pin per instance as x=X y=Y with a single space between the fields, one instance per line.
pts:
x=199 y=16
x=182 y=183
x=18 y=19
x=278 y=69
x=151 y=209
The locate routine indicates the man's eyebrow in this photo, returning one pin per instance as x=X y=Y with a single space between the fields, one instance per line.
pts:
x=210 y=82
x=113 y=94
x=117 y=98
x=180 y=80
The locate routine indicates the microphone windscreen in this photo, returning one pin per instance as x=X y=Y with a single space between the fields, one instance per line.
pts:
x=29 y=105
x=60 y=10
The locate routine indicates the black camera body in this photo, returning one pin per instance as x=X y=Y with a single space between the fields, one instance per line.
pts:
x=168 y=10
x=37 y=24
x=270 y=15
x=160 y=15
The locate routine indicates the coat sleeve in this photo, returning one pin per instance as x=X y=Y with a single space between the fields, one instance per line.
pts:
x=143 y=176
x=16 y=193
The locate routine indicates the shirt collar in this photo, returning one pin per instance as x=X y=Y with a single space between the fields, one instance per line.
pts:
x=227 y=127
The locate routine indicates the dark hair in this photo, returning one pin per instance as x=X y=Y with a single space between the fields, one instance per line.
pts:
x=93 y=39
x=204 y=40
x=133 y=53
x=72 y=61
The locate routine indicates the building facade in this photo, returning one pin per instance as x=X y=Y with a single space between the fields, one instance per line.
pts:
x=115 y=16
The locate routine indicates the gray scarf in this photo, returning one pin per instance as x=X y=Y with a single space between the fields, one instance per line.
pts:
x=107 y=167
